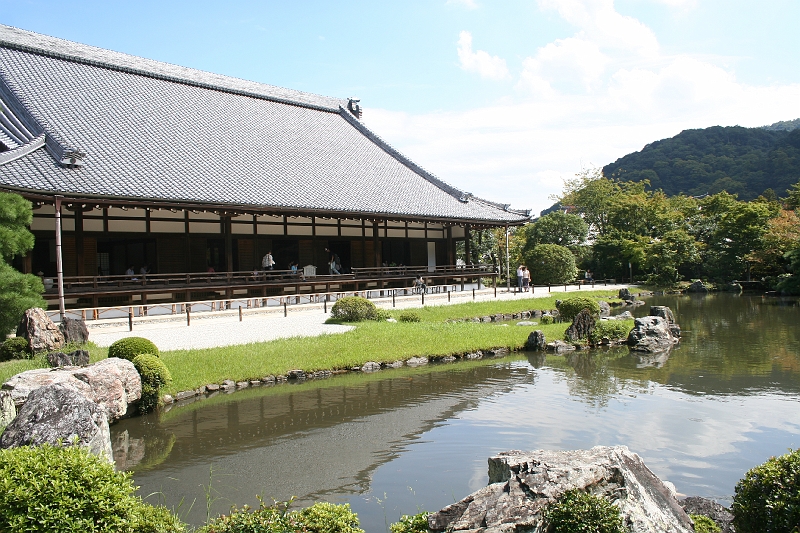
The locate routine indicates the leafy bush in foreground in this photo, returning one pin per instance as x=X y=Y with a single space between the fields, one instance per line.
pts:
x=568 y=308
x=767 y=498
x=408 y=316
x=155 y=375
x=580 y=512
x=417 y=523
x=130 y=347
x=319 y=518
x=354 y=309
x=55 y=489
x=703 y=524
x=15 y=348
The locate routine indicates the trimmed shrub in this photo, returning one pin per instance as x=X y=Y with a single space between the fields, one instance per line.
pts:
x=547 y=319
x=55 y=489
x=319 y=518
x=551 y=264
x=417 y=523
x=130 y=347
x=579 y=512
x=568 y=308
x=408 y=316
x=354 y=309
x=326 y=517
x=15 y=348
x=704 y=524
x=155 y=375
x=610 y=329
x=767 y=498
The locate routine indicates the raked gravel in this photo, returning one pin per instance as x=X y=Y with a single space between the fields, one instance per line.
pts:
x=260 y=325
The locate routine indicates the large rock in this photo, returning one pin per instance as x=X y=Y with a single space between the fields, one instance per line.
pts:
x=8 y=411
x=581 y=327
x=559 y=346
x=41 y=332
x=697 y=287
x=536 y=341
x=625 y=315
x=625 y=294
x=60 y=416
x=666 y=313
x=74 y=330
x=76 y=358
x=716 y=512
x=521 y=484
x=651 y=334
x=605 y=308
x=112 y=383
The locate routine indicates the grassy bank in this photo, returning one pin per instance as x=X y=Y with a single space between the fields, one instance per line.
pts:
x=369 y=341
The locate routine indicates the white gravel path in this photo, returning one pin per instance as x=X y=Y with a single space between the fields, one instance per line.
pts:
x=224 y=328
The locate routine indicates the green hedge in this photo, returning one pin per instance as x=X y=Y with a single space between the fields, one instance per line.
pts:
x=610 y=329
x=704 y=524
x=130 y=347
x=55 y=489
x=155 y=375
x=319 y=518
x=767 y=498
x=15 y=348
x=568 y=308
x=354 y=309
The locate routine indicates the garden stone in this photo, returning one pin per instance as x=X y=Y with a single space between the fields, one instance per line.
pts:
x=475 y=355
x=76 y=358
x=716 y=512
x=371 y=366
x=417 y=361
x=697 y=287
x=526 y=323
x=74 y=331
x=521 y=484
x=185 y=394
x=605 y=308
x=625 y=294
x=295 y=374
x=242 y=384
x=228 y=383
x=559 y=346
x=536 y=341
x=168 y=399
x=112 y=383
x=397 y=364
x=651 y=334
x=666 y=313
x=581 y=327
x=625 y=315
x=60 y=416
x=41 y=332
x=212 y=387
x=8 y=410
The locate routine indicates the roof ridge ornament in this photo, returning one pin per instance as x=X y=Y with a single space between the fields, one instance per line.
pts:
x=353 y=104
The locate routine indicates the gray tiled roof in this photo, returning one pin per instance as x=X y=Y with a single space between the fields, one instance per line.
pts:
x=159 y=132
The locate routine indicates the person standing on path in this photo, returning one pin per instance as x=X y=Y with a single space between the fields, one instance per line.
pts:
x=526 y=278
x=520 y=274
x=268 y=263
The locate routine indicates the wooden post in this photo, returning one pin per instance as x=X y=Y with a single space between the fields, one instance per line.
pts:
x=59 y=260
x=130 y=319
x=188 y=314
x=240 y=313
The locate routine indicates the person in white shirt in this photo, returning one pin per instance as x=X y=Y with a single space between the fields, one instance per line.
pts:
x=268 y=262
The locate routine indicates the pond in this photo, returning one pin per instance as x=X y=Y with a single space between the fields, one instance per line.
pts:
x=401 y=441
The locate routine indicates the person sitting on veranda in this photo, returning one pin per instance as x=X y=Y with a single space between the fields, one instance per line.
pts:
x=419 y=285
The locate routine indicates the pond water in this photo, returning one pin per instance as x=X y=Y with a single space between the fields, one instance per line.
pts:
x=401 y=441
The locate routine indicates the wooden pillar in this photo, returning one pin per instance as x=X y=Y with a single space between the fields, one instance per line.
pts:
x=188 y=243
x=80 y=263
x=451 y=260
x=467 y=246
x=228 y=243
x=375 y=248
x=59 y=260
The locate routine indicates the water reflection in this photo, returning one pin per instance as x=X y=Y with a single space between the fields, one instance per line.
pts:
x=722 y=401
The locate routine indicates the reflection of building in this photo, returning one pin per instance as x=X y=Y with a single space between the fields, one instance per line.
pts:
x=184 y=170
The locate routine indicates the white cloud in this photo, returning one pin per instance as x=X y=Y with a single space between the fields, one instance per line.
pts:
x=486 y=66
x=468 y=4
x=581 y=100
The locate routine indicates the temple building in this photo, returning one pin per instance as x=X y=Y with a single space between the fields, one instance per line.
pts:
x=148 y=164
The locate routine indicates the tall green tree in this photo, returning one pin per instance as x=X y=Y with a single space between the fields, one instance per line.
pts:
x=551 y=263
x=18 y=291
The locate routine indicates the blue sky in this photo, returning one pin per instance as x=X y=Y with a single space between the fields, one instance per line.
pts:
x=502 y=99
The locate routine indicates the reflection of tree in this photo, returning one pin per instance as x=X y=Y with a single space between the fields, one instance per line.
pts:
x=141 y=452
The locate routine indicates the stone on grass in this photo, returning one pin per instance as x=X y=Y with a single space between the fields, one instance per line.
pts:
x=536 y=341
x=581 y=327
x=521 y=484
x=74 y=331
x=371 y=366
x=625 y=315
x=605 y=308
x=76 y=358
x=112 y=383
x=41 y=332
x=526 y=323
x=60 y=416
x=296 y=374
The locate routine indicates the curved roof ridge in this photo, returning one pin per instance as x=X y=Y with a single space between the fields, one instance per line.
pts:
x=36 y=43
x=22 y=150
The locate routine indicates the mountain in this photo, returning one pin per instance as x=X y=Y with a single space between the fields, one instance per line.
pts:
x=743 y=161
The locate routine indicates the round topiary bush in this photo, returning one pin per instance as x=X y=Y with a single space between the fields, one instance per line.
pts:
x=354 y=309
x=130 y=347
x=408 y=316
x=15 y=348
x=47 y=488
x=547 y=319
x=154 y=374
x=579 y=512
x=551 y=264
x=767 y=498
x=568 y=308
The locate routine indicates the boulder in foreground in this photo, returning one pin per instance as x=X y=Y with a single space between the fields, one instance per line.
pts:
x=521 y=484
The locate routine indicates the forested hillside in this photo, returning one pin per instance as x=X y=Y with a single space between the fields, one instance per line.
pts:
x=742 y=161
